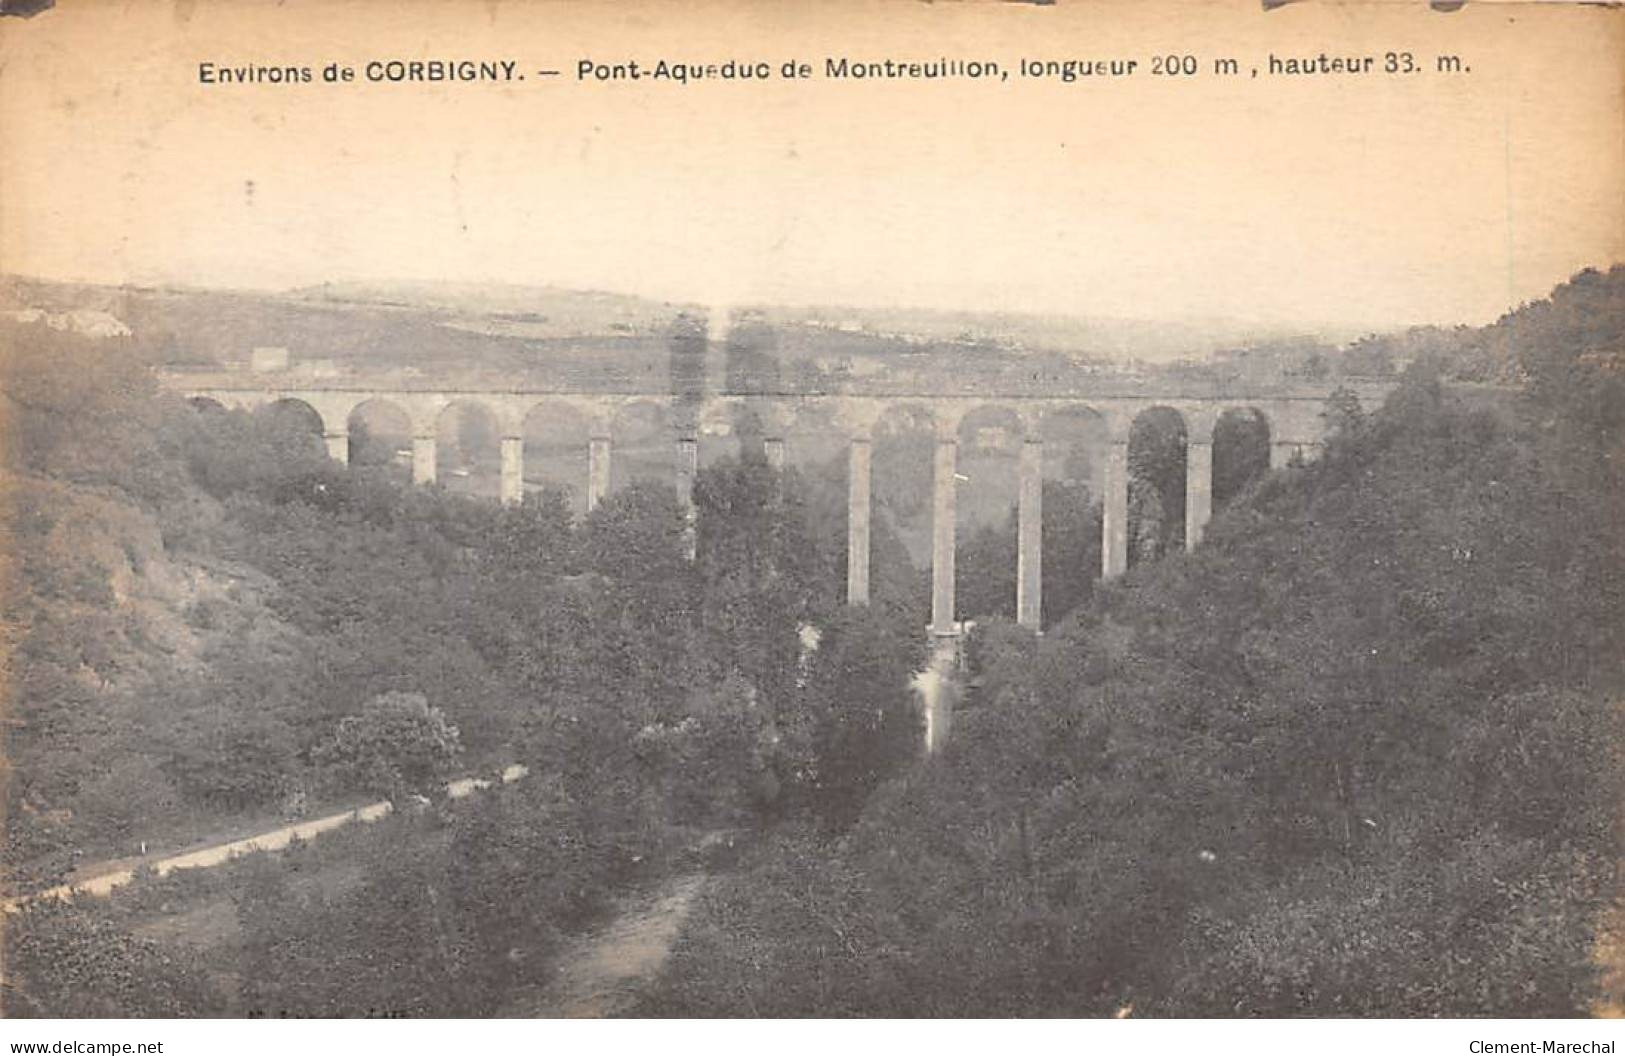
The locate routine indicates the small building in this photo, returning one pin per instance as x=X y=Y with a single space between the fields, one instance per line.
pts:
x=267 y=360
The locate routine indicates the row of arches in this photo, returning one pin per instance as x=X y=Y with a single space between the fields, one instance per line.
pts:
x=1015 y=520
x=379 y=435
x=555 y=452
x=1134 y=474
x=1074 y=445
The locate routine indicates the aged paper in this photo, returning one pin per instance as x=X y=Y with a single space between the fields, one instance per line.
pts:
x=1478 y=179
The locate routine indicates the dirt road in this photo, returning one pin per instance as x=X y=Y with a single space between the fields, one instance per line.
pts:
x=601 y=973
x=101 y=879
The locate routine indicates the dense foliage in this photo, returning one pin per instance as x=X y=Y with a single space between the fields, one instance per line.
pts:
x=217 y=627
x=1355 y=756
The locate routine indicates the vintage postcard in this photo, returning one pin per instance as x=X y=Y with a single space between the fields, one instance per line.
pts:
x=1084 y=510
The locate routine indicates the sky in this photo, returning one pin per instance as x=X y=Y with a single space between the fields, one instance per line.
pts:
x=1305 y=200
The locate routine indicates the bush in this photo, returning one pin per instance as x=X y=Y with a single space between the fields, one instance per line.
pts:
x=858 y=720
x=64 y=960
x=398 y=746
x=232 y=761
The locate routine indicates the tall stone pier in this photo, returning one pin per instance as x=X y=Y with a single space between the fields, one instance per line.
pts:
x=423 y=459
x=1114 y=526
x=1030 y=536
x=597 y=471
x=1198 y=490
x=942 y=536
x=857 y=522
x=511 y=486
x=688 y=468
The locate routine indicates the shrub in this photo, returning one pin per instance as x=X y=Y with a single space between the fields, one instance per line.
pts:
x=396 y=747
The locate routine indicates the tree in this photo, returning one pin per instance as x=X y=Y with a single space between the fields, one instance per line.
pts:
x=635 y=538
x=1356 y=756
x=1071 y=548
x=66 y=960
x=761 y=576
x=986 y=562
x=233 y=761
x=1156 y=485
x=1241 y=453
x=396 y=747
x=985 y=567
x=269 y=453
x=1343 y=414
x=858 y=722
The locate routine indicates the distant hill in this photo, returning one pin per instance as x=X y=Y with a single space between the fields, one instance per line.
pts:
x=548 y=311
x=502 y=328
x=1104 y=338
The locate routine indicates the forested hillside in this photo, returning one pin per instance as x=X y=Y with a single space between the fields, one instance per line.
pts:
x=1358 y=755
x=214 y=627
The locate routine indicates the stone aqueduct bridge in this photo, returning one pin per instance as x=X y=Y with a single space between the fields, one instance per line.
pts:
x=1293 y=414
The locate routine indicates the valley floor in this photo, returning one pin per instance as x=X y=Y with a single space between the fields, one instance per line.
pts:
x=602 y=971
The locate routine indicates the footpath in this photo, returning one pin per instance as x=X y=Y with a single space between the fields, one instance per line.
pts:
x=101 y=880
x=603 y=971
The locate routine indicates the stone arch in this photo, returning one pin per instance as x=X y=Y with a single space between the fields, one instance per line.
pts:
x=1241 y=452
x=817 y=439
x=756 y=423
x=812 y=444
x=852 y=415
x=380 y=432
x=297 y=416
x=897 y=417
x=903 y=442
x=990 y=440
x=717 y=425
x=294 y=409
x=557 y=437
x=1077 y=439
x=1075 y=436
x=1156 y=483
x=1296 y=428
x=468 y=455
x=509 y=411
x=644 y=444
x=902 y=453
